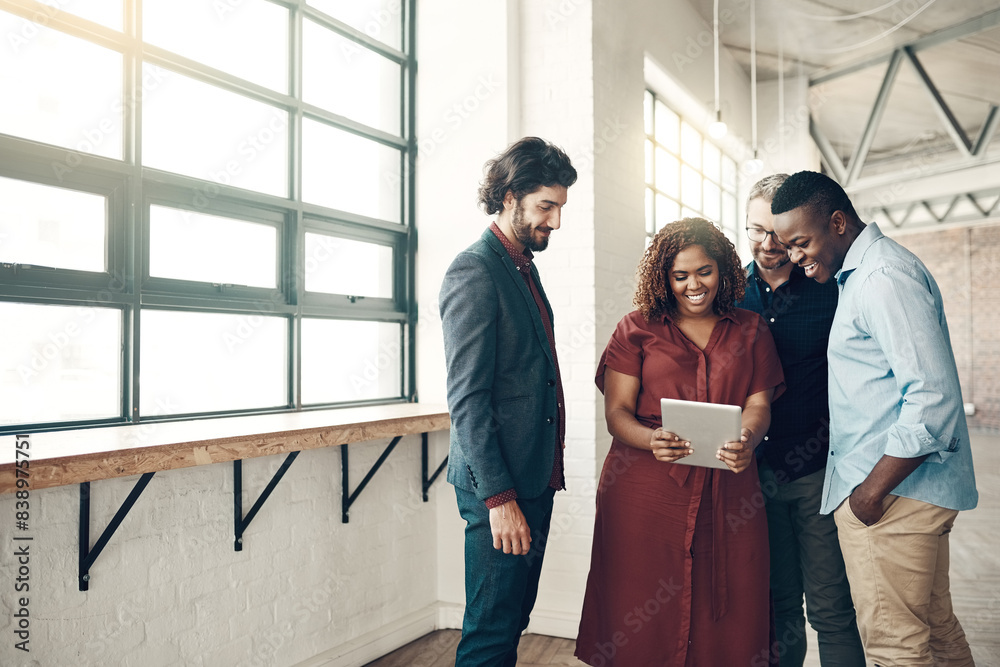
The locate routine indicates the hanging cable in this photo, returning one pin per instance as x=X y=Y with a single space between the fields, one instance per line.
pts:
x=844 y=49
x=849 y=17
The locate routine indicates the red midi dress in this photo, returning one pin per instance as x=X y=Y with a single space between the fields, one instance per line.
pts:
x=679 y=566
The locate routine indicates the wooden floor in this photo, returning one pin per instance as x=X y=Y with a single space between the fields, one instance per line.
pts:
x=975 y=588
x=438 y=650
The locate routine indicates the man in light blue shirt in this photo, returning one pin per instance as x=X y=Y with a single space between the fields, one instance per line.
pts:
x=900 y=465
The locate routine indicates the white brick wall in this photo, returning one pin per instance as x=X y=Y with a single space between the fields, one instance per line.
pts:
x=558 y=102
x=169 y=588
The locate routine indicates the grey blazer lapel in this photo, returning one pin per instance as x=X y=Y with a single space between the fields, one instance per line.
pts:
x=536 y=318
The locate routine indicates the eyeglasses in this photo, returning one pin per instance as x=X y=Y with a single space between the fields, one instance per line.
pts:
x=757 y=234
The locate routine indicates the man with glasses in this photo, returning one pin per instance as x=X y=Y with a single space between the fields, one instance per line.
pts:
x=805 y=553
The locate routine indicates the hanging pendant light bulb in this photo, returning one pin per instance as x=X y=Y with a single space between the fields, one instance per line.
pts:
x=717 y=129
x=754 y=165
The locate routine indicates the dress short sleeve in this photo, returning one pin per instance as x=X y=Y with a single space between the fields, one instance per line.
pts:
x=767 y=371
x=624 y=351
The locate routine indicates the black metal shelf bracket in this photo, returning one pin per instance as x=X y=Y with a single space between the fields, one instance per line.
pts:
x=348 y=498
x=241 y=523
x=424 y=465
x=87 y=554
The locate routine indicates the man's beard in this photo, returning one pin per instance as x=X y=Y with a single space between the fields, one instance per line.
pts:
x=523 y=231
x=770 y=262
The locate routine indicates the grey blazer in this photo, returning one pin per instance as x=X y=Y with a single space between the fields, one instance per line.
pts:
x=501 y=375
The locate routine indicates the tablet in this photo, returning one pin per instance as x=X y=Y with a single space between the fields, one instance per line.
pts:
x=707 y=426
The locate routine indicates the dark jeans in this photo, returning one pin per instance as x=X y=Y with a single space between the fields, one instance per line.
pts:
x=806 y=559
x=500 y=588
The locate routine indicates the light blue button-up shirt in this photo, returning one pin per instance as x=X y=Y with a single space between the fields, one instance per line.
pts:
x=893 y=381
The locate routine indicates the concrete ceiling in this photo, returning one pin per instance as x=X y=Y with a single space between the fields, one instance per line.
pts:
x=845 y=48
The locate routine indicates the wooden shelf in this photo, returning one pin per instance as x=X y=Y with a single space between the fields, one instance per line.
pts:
x=59 y=458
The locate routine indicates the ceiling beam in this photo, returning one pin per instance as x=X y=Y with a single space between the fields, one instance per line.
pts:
x=931 y=182
x=899 y=214
x=951 y=124
x=986 y=133
x=868 y=136
x=990 y=19
x=827 y=152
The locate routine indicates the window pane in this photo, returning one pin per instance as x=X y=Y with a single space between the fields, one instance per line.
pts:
x=691 y=188
x=379 y=19
x=195 y=246
x=60 y=363
x=350 y=361
x=650 y=220
x=691 y=145
x=649 y=161
x=208 y=362
x=667 y=123
x=248 y=38
x=667 y=211
x=106 y=12
x=690 y=213
x=226 y=138
x=54 y=103
x=342 y=266
x=712 y=167
x=712 y=206
x=347 y=172
x=728 y=173
x=667 y=173
x=729 y=211
x=647 y=112
x=49 y=226
x=348 y=79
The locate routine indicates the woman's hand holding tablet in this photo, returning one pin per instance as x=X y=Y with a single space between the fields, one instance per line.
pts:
x=668 y=447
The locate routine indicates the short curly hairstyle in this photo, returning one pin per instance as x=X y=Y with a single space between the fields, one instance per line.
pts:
x=653 y=296
x=818 y=193
x=525 y=166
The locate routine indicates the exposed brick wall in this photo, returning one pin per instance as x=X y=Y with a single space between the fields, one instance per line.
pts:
x=965 y=262
x=985 y=279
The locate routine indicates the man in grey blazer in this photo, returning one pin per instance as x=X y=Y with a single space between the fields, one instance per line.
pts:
x=505 y=397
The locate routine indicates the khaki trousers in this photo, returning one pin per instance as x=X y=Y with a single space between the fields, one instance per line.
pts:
x=898 y=569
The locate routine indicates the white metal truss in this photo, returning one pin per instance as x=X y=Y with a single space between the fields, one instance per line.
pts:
x=972 y=151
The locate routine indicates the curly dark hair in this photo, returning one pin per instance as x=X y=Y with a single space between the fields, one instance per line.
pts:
x=653 y=296
x=525 y=166
x=819 y=193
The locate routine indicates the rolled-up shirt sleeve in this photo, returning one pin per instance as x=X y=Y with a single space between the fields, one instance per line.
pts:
x=901 y=315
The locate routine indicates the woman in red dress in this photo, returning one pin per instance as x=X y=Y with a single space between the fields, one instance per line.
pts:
x=679 y=567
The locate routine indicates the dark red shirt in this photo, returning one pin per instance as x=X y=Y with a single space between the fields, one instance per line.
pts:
x=522 y=261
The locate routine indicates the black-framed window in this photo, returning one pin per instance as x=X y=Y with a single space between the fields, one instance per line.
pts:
x=205 y=208
x=687 y=174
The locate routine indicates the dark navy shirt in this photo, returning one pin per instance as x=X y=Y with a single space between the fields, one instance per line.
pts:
x=799 y=314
